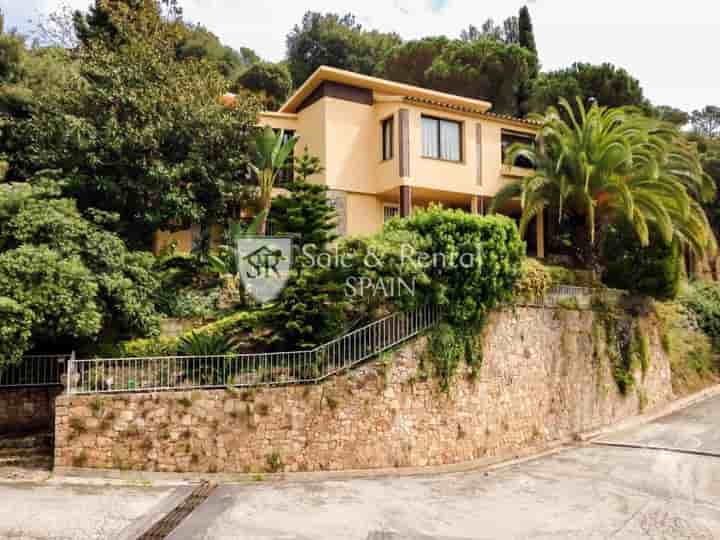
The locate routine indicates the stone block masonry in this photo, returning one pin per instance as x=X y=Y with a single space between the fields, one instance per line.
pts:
x=545 y=377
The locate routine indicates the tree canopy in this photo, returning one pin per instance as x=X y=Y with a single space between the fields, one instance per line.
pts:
x=139 y=132
x=604 y=84
x=270 y=82
x=334 y=40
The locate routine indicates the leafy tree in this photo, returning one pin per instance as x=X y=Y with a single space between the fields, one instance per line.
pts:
x=671 y=115
x=12 y=51
x=272 y=153
x=607 y=166
x=105 y=18
x=271 y=81
x=526 y=35
x=199 y=43
x=706 y=121
x=606 y=85
x=337 y=41
x=142 y=133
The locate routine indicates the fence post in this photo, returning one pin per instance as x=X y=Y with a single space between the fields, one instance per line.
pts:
x=69 y=376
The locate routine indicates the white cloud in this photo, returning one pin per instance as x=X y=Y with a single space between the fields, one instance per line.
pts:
x=669 y=46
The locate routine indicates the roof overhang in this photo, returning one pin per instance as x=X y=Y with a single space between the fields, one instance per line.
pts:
x=380 y=86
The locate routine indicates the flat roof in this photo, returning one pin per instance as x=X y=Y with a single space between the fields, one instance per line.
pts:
x=326 y=73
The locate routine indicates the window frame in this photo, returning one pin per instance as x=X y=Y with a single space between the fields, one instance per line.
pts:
x=461 y=137
x=386 y=215
x=286 y=175
x=387 y=154
x=516 y=135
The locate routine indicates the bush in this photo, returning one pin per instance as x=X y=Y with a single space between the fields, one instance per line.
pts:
x=123 y=281
x=702 y=298
x=54 y=296
x=476 y=260
x=654 y=270
x=15 y=331
x=534 y=282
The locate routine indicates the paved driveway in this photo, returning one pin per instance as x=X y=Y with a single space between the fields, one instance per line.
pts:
x=594 y=492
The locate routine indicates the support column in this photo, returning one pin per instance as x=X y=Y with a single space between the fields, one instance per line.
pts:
x=405 y=201
x=540 y=234
x=475 y=205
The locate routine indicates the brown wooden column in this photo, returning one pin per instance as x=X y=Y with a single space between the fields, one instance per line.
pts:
x=404 y=146
x=405 y=201
x=540 y=234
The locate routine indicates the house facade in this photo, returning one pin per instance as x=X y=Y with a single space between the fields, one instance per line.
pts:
x=389 y=148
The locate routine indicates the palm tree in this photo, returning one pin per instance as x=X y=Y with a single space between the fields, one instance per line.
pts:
x=274 y=150
x=611 y=165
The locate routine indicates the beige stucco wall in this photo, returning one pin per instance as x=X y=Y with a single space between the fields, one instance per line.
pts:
x=364 y=214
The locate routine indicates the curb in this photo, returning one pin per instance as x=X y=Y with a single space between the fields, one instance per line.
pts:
x=75 y=475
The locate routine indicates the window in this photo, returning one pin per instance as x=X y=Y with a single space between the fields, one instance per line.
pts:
x=512 y=137
x=441 y=139
x=390 y=211
x=287 y=173
x=387 y=139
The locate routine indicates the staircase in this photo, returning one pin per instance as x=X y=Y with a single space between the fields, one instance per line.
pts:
x=25 y=452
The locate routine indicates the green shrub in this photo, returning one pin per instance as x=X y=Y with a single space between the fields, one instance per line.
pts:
x=654 y=270
x=703 y=299
x=477 y=260
x=534 y=281
x=52 y=295
x=58 y=260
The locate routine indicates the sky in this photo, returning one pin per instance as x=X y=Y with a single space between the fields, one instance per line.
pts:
x=669 y=46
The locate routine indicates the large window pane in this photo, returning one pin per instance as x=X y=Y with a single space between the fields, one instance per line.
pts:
x=430 y=139
x=449 y=140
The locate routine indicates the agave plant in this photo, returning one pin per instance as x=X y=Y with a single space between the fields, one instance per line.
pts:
x=273 y=150
x=205 y=369
x=610 y=166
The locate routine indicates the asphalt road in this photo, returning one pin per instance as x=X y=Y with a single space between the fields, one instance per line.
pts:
x=592 y=492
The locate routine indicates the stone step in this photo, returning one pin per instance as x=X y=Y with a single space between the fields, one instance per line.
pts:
x=28 y=440
x=24 y=452
x=30 y=462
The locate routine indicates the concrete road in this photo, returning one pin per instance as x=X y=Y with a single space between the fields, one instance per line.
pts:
x=57 y=512
x=594 y=492
x=591 y=492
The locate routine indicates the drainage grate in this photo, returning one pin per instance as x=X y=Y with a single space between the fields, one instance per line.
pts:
x=163 y=528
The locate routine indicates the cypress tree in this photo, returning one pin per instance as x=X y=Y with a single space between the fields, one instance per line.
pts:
x=527 y=36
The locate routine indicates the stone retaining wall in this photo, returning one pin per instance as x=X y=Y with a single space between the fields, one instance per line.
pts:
x=27 y=409
x=544 y=378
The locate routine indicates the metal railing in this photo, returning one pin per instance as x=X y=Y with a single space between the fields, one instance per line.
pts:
x=36 y=370
x=147 y=374
x=581 y=297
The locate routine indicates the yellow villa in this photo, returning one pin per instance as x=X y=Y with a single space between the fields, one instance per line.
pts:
x=388 y=148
